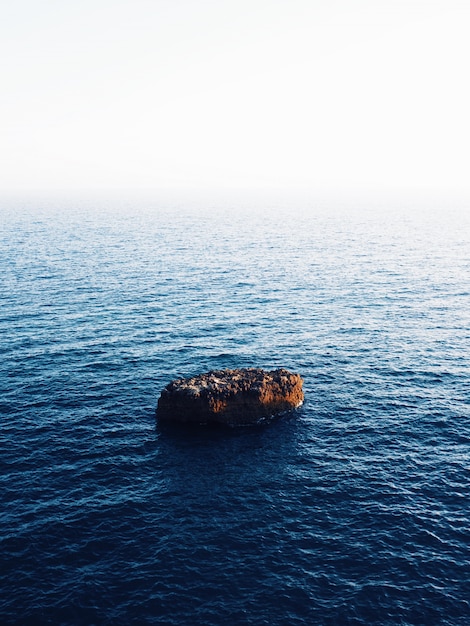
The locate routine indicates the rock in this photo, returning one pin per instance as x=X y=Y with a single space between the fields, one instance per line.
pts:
x=232 y=397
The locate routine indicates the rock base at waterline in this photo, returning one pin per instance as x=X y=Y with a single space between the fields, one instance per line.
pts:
x=231 y=397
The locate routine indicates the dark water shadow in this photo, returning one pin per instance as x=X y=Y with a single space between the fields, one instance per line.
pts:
x=200 y=459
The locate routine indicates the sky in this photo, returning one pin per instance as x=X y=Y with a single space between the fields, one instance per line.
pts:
x=202 y=94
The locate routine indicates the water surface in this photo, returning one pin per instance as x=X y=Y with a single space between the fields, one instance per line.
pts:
x=353 y=510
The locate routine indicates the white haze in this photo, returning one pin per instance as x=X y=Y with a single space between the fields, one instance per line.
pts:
x=295 y=95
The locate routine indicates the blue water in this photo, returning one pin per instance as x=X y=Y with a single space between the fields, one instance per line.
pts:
x=353 y=510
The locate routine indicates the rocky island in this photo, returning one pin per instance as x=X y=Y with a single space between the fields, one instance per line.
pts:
x=231 y=397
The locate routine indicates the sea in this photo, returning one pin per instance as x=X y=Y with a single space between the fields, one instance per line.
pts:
x=353 y=509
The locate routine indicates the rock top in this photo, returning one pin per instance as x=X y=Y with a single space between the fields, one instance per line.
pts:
x=232 y=397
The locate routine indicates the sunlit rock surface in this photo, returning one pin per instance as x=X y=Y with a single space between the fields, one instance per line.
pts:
x=232 y=397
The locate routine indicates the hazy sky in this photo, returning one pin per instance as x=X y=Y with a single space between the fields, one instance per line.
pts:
x=314 y=94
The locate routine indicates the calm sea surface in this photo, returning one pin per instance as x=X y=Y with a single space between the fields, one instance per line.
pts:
x=353 y=510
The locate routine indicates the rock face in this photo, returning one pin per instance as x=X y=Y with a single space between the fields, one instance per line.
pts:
x=232 y=397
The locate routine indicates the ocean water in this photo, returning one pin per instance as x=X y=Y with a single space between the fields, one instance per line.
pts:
x=354 y=509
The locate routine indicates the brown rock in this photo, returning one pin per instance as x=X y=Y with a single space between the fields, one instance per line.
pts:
x=233 y=397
